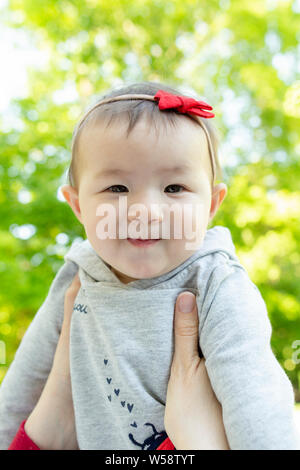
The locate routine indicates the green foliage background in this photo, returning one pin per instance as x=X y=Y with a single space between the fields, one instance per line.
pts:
x=237 y=55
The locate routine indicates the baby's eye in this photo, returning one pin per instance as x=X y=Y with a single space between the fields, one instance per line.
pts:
x=111 y=188
x=176 y=186
x=116 y=186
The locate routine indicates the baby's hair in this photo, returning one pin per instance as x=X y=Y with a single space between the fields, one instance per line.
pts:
x=134 y=109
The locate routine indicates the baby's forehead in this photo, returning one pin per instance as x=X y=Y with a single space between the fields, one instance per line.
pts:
x=183 y=147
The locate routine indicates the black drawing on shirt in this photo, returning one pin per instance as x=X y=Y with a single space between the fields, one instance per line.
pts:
x=152 y=442
x=129 y=407
x=82 y=308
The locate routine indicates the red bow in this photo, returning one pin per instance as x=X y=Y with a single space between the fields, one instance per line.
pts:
x=183 y=104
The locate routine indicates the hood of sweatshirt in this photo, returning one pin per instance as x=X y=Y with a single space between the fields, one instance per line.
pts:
x=217 y=239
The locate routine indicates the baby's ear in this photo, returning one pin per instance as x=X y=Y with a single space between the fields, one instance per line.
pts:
x=218 y=195
x=71 y=196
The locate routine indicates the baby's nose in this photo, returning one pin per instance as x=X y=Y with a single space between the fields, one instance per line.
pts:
x=145 y=212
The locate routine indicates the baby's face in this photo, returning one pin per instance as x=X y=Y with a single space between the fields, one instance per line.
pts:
x=147 y=176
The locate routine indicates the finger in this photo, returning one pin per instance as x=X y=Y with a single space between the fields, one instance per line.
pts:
x=70 y=297
x=74 y=286
x=186 y=324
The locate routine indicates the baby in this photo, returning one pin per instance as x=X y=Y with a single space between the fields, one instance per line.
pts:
x=146 y=243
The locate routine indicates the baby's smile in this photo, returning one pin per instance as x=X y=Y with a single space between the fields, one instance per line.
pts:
x=138 y=242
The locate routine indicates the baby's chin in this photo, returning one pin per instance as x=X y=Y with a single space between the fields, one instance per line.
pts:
x=137 y=274
x=129 y=264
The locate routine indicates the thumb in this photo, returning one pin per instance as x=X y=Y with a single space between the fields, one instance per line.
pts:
x=70 y=297
x=186 y=324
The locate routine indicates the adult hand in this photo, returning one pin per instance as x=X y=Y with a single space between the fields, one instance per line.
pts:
x=51 y=425
x=193 y=415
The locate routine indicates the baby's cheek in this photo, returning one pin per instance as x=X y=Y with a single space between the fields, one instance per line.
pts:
x=195 y=217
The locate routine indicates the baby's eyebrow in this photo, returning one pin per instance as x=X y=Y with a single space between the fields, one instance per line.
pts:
x=178 y=169
x=118 y=172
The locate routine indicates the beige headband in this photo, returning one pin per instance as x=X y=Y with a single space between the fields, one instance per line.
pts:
x=151 y=98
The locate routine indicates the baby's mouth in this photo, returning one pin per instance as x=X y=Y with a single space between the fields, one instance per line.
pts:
x=143 y=241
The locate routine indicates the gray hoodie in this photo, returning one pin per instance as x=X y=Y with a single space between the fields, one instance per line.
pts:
x=121 y=349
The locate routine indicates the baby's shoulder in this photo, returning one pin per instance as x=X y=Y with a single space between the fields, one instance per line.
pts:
x=211 y=269
x=222 y=277
x=64 y=276
x=231 y=294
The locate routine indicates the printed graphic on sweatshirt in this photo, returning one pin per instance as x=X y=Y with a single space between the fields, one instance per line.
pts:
x=154 y=439
x=80 y=307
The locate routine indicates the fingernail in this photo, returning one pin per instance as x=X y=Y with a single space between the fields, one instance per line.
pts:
x=186 y=303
